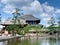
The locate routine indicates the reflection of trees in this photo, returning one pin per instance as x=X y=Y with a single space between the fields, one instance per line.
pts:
x=44 y=41
x=12 y=42
x=33 y=41
x=18 y=42
x=52 y=41
x=2 y=43
x=37 y=42
x=24 y=42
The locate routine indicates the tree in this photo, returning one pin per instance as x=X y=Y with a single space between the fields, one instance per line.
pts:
x=25 y=29
x=16 y=15
x=9 y=28
x=52 y=25
x=12 y=28
x=59 y=21
x=15 y=29
x=38 y=28
x=0 y=18
x=0 y=22
x=51 y=21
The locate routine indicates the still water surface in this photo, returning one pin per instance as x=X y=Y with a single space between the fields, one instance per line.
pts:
x=32 y=41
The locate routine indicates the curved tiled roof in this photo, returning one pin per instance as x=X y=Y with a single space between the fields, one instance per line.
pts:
x=29 y=17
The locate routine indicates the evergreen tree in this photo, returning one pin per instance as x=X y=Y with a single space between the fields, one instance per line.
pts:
x=52 y=25
x=0 y=18
x=16 y=15
x=59 y=21
x=51 y=21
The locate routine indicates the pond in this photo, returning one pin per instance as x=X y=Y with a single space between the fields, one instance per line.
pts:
x=32 y=41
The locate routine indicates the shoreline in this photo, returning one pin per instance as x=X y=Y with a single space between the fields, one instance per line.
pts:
x=3 y=38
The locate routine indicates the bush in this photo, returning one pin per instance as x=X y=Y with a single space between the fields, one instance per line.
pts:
x=9 y=28
x=13 y=28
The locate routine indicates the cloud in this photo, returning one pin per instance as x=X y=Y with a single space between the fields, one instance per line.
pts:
x=47 y=8
x=0 y=4
x=43 y=11
x=4 y=1
x=8 y=8
x=10 y=4
x=34 y=8
x=47 y=19
x=44 y=15
x=57 y=11
x=37 y=9
x=18 y=3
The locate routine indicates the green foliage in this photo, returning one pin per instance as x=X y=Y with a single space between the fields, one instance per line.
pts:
x=9 y=28
x=58 y=27
x=16 y=15
x=12 y=27
x=59 y=21
x=22 y=31
x=0 y=18
x=38 y=27
x=26 y=28
x=52 y=28
x=51 y=21
x=52 y=25
x=15 y=27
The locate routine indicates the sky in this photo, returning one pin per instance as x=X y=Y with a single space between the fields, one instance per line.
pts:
x=42 y=9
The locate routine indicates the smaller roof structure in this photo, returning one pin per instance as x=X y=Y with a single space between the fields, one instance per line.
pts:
x=1 y=27
x=10 y=22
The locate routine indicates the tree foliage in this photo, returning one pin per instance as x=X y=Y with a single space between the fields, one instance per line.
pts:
x=0 y=18
x=12 y=27
x=52 y=25
x=51 y=21
x=59 y=21
x=27 y=27
x=9 y=28
x=51 y=28
x=16 y=15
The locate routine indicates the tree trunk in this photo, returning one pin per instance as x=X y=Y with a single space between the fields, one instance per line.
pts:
x=13 y=33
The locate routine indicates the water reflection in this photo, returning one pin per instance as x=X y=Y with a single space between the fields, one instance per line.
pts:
x=33 y=41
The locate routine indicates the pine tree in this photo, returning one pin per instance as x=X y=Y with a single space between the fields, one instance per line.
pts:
x=0 y=18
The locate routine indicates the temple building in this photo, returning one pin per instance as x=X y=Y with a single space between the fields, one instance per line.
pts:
x=31 y=20
x=24 y=20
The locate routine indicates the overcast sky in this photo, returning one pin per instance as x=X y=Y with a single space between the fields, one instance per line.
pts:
x=42 y=9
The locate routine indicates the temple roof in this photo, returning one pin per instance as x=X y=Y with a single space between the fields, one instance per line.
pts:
x=10 y=21
x=29 y=17
x=23 y=19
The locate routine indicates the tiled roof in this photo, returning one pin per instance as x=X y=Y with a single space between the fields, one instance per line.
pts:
x=10 y=21
x=29 y=17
